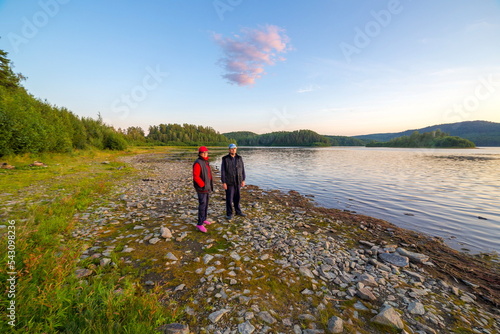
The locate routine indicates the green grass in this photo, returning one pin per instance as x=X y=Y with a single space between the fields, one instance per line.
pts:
x=49 y=298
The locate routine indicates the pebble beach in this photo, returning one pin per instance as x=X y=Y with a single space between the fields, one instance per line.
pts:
x=287 y=267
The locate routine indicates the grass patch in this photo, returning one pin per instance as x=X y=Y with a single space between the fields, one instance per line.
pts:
x=41 y=202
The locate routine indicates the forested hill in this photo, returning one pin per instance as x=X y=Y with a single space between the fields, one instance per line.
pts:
x=280 y=138
x=186 y=134
x=433 y=139
x=291 y=138
x=482 y=133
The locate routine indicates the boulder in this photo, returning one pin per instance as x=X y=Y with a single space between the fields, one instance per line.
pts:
x=335 y=325
x=389 y=317
x=414 y=257
x=395 y=259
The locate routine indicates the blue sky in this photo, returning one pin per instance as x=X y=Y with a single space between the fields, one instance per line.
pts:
x=335 y=67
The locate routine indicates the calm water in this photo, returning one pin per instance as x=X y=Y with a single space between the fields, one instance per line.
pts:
x=438 y=192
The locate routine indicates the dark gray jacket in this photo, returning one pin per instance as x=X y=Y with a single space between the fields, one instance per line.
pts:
x=232 y=170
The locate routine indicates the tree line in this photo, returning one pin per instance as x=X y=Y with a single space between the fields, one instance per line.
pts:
x=432 y=139
x=186 y=134
x=293 y=138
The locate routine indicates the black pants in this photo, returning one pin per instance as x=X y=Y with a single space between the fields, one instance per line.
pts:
x=202 y=207
x=233 y=197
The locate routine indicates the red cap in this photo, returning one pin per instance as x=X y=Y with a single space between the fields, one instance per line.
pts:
x=203 y=149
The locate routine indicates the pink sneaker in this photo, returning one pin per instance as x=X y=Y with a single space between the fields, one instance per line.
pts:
x=206 y=222
x=201 y=228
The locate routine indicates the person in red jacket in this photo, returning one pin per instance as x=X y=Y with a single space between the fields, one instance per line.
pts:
x=203 y=184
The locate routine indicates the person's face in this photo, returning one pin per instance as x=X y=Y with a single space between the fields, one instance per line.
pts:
x=204 y=154
x=232 y=151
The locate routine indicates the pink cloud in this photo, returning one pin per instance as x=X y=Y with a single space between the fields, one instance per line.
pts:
x=246 y=55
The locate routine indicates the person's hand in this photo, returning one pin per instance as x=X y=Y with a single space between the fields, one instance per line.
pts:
x=242 y=183
x=224 y=185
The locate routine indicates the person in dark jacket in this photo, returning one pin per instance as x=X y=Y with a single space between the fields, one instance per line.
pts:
x=233 y=178
x=202 y=181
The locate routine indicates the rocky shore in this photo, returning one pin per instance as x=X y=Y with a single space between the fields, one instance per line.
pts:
x=288 y=267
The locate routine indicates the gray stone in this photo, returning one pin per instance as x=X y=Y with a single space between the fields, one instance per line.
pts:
x=165 y=232
x=360 y=306
x=389 y=317
x=307 y=317
x=246 y=328
x=127 y=250
x=171 y=257
x=105 y=261
x=207 y=258
x=174 y=329
x=216 y=316
x=306 y=272
x=366 y=294
x=367 y=280
x=395 y=259
x=266 y=317
x=210 y=270
x=235 y=256
x=80 y=273
x=153 y=241
x=335 y=325
x=415 y=276
x=416 y=308
x=414 y=257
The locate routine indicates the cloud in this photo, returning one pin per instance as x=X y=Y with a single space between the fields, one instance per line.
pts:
x=308 y=89
x=246 y=55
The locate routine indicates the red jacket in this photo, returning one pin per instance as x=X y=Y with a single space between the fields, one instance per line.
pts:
x=197 y=173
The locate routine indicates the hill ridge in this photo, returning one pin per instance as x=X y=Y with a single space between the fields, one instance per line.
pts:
x=482 y=133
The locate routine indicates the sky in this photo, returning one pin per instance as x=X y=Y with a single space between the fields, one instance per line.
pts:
x=332 y=66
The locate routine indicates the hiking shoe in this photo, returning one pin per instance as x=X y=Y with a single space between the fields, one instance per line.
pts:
x=201 y=228
x=229 y=217
x=206 y=222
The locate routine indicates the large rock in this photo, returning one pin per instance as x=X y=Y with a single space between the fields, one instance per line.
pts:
x=216 y=316
x=246 y=328
x=306 y=272
x=267 y=317
x=416 y=308
x=165 y=232
x=414 y=257
x=367 y=280
x=335 y=325
x=366 y=294
x=389 y=317
x=171 y=257
x=395 y=259
x=80 y=273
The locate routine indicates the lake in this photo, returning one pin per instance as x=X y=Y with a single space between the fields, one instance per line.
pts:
x=450 y=193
